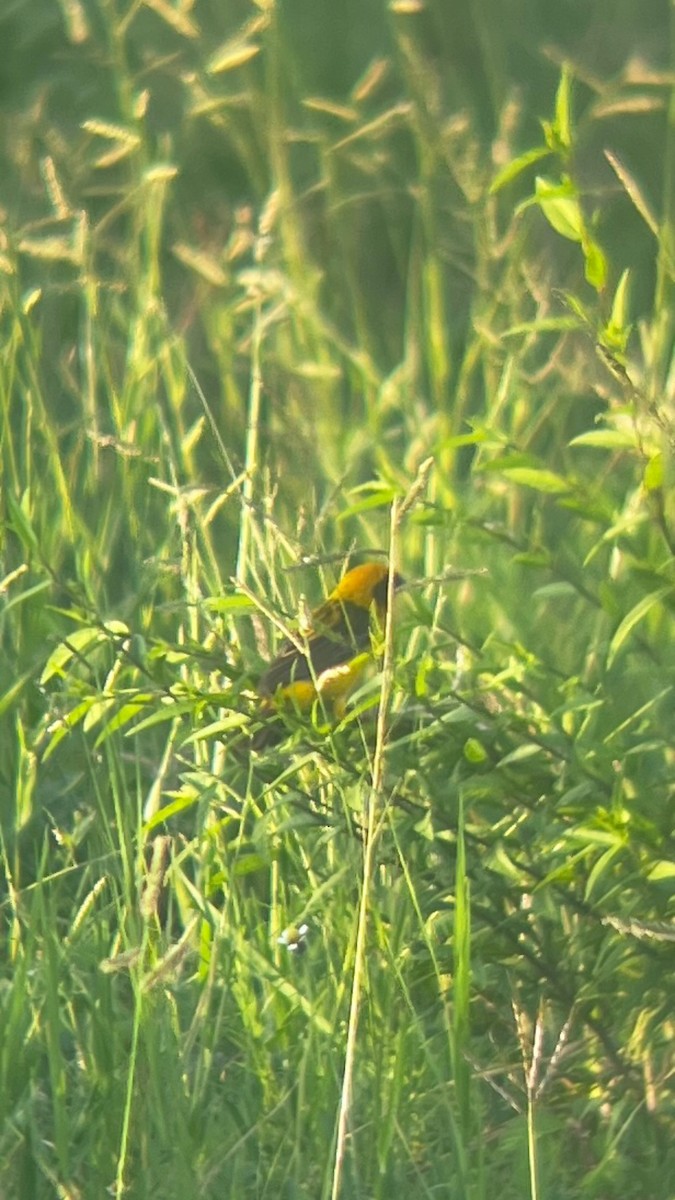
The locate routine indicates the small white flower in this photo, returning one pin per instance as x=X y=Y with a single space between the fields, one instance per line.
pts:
x=293 y=938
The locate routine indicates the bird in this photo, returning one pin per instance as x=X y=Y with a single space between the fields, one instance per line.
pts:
x=336 y=650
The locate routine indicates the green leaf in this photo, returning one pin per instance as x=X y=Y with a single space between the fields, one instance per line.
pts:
x=552 y=591
x=185 y=800
x=474 y=751
x=78 y=643
x=595 y=267
x=22 y=597
x=125 y=714
x=599 y=868
x=20 y=520
x=663 y=869
x=507 y=461
x=97 y=712
x=527 y=750
x=605 y=439
x=653 y=477
x=558 y=132
x=65 y=724
x=584 y=313
x=594 y=837
x=562 y=127
x=538 y=478
x=516 y=167
x=429 y=518
x=233 y=720
x=7 y=698
x=617 y=329
x=168 y=712
x=236 y=602
x=635 y=615
x=381 y=499
x=248 y=862
x=465 y=439
x=559 y=203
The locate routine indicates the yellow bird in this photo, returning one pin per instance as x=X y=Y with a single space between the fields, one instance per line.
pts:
x=337 y=647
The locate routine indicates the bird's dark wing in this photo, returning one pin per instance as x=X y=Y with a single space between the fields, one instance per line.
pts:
x=341 y=631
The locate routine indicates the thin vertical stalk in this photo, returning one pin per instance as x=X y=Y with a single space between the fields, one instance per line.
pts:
x=373 y=809
x=252 y=424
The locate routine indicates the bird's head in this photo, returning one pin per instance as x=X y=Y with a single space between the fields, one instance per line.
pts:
x=365 y=585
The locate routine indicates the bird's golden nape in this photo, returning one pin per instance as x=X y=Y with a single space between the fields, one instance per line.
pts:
x=366 y=584
x=358 y=585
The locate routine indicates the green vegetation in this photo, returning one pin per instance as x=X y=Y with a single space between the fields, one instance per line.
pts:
x=259 y=265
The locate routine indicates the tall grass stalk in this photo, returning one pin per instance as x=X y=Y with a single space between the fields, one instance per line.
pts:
x=373 y=817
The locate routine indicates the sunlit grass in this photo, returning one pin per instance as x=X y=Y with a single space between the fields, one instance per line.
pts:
x=259 y=268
